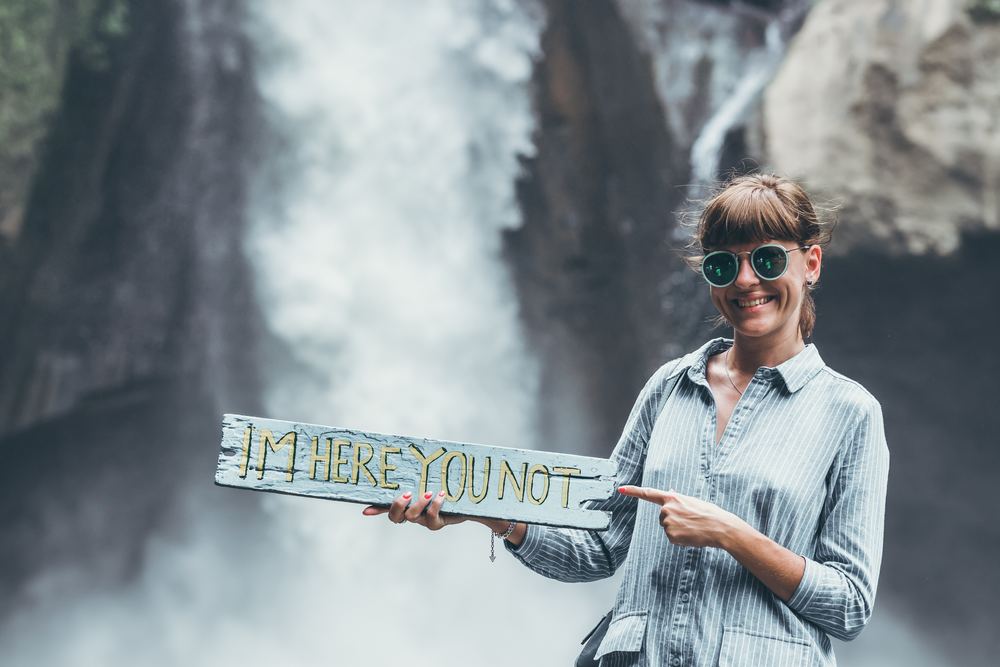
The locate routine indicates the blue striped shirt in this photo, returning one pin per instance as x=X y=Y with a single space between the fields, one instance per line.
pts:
x=803 y=460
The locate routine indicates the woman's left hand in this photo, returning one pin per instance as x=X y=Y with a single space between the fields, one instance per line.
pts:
x=688 y=521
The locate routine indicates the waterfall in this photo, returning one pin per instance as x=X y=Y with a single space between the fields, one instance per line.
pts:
x=759 y=69
x=379 y=268
x=394 y=131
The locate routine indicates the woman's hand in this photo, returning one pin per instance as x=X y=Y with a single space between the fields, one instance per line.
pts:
x=432 y=518
x=426 y=511
x=688 y=521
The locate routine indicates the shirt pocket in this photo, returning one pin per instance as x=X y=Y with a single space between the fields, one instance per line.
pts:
x=743 y=648
x=626 y=633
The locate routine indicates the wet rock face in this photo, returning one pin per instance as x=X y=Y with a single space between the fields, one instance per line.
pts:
x=935 y=379
x=622 y=93
x=130 y=248
x=890 y=108
x=126 y=316
x=592 y=253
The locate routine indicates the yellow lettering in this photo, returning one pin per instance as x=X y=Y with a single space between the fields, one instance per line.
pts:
x=338 y=460
x=359 y=465
x=486 y=480
x=425 y=461
x=316 y=458
x=538 y=469
x=568 y=473
x=246 y=451
x=448 y=458
x=386 y=468
x=505 y=473
x=267 y=442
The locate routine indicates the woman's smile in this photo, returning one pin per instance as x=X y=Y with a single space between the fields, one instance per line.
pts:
x=753 y=304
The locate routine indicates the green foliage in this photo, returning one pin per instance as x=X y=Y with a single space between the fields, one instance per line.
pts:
x=110 y=25
x=36 y=38
x=984 y=10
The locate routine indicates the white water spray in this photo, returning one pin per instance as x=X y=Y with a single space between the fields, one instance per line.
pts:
x=759 y=70
x=382 y=273
x=377 y=260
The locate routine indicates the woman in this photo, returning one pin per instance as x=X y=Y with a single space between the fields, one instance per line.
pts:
x=753 y=476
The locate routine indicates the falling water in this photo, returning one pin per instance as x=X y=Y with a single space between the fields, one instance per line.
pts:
x=759 y=69
x=379 y=267
x=376 y=245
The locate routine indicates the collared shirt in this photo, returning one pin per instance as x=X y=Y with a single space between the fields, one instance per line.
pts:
x=803 y=459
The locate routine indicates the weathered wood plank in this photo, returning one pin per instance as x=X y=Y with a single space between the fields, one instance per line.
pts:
x=374 y=468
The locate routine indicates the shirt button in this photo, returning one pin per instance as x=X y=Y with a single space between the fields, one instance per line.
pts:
x=675 y=661
x=685 y=597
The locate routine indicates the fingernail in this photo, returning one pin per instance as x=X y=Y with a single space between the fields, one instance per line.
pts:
x=440 y=493
x=407 y=495
x=427 y=496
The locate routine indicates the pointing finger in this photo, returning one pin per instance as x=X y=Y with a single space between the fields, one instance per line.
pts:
x=645 y=493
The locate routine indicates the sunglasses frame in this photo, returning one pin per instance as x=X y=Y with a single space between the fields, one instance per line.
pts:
x=736 y=256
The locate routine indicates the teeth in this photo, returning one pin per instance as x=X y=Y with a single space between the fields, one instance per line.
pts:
x=755 y=302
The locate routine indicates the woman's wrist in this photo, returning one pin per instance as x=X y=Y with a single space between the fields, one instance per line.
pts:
x=733 y=534
x=500 y=526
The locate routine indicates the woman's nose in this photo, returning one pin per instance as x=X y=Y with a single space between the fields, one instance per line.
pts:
x=745 y=276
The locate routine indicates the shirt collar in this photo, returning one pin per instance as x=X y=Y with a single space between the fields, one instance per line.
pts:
x=794 y=372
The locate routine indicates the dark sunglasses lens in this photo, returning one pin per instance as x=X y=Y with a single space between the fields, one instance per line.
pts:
x=719 y=269
x=769 y=261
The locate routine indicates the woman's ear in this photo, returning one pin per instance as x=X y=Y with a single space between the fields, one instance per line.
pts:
x=814 y=264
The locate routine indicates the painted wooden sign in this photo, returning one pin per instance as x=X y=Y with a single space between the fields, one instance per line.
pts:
x=373 y=468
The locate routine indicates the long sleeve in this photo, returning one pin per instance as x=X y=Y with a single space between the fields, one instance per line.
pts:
x=837 y=590
x=586 y=555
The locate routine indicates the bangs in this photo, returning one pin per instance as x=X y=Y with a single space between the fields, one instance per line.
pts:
x=748 y=213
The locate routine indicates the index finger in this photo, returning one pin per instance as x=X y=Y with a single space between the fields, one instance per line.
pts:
x=645 y=493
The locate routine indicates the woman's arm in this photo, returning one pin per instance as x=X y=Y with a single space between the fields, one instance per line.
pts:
x=692 y=522
x=560 y=553
x=835 y=589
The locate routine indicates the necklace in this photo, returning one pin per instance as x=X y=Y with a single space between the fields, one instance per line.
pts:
x=728 y=375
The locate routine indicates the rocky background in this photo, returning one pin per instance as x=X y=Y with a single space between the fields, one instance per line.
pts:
x=126 y=312
x=127 y=126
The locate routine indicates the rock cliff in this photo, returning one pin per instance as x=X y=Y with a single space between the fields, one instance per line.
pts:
x=126 y=312
x=888 y=111
x=890 y=108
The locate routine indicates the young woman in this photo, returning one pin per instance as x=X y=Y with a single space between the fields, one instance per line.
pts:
x=753 y=475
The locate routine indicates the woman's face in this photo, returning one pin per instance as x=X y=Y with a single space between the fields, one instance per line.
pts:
x=767 y=308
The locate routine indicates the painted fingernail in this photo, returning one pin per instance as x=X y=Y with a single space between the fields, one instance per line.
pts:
x=427 y=496
x=440 y=493
x=407 y=495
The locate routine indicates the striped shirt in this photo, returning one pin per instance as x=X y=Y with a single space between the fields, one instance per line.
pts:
x=803 y=459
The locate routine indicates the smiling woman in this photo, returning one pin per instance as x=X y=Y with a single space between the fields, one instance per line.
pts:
x=747 y=217
x=751 y=446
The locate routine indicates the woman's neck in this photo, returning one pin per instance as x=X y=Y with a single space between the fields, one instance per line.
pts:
x=748 y=354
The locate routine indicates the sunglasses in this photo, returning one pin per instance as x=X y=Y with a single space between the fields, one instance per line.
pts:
x=768 y=261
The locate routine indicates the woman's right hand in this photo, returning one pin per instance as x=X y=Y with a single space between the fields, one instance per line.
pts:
x=425 y=510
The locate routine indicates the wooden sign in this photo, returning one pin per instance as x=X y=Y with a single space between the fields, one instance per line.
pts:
x=373 y=468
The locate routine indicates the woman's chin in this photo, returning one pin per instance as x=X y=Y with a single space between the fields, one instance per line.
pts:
x=754 y=327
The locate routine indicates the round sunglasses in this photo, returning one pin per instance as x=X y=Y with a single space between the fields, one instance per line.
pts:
x=768 y=261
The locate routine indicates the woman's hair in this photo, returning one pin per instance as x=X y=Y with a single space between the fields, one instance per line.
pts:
x=757 y=208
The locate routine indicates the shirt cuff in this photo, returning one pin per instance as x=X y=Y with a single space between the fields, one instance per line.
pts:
x=529 y=546
x=809 y=587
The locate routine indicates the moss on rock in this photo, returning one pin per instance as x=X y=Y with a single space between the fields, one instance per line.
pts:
x=36 y=40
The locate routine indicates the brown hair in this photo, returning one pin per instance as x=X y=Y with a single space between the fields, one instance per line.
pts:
x=756 y=208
